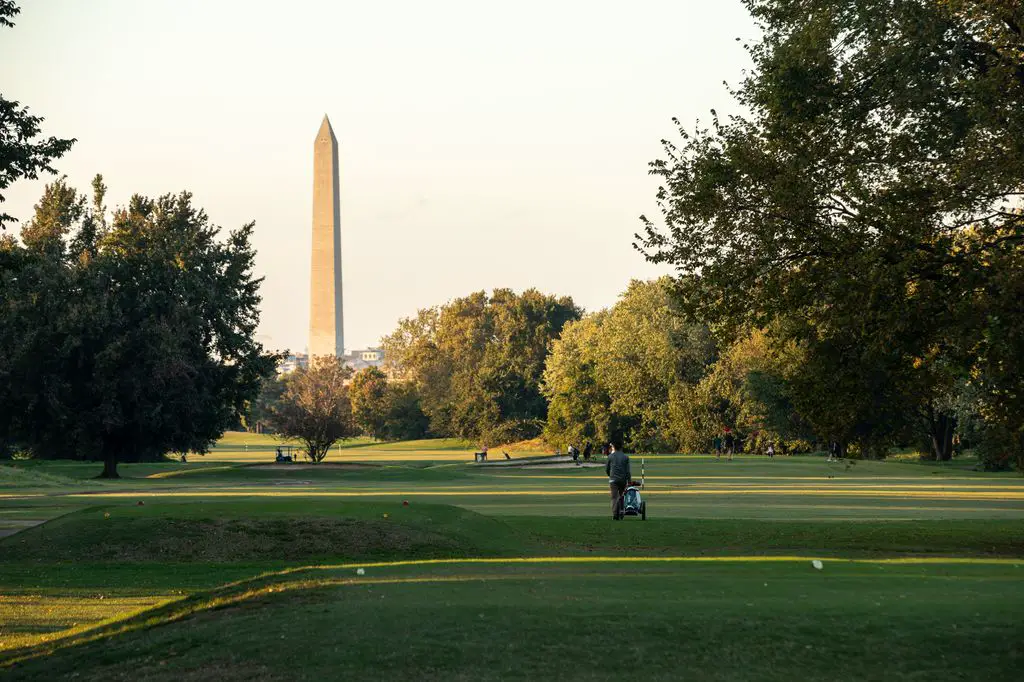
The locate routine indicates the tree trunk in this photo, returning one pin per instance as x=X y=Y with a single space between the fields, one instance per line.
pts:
x=109 y=467
x=942 y=427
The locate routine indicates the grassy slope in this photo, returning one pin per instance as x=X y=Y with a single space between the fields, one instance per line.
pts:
x=710 y=621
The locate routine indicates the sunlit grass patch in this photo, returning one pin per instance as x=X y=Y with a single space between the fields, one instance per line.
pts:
x=30 y=620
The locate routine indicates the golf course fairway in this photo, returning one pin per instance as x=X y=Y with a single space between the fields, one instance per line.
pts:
x=428 y=567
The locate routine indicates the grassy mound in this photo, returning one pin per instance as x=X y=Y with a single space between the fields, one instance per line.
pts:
x=280 y=530
x=223 y=540
x=12 y=477
x=294 y=528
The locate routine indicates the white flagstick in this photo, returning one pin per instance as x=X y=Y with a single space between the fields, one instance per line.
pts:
x=641 y=472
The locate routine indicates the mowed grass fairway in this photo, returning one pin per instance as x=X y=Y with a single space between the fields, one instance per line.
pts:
x=232 y=569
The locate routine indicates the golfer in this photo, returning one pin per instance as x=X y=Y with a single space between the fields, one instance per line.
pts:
x=619 y=475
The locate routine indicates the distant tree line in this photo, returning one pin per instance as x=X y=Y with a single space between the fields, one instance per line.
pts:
x=469 y=369
x=476 y=363
x=645 y=373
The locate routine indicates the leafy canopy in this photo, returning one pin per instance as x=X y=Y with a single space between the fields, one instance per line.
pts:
x=125 y=341
x=476 y=362
x=865 y=203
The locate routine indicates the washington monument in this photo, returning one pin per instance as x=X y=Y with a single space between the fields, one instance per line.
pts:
x=326 y=323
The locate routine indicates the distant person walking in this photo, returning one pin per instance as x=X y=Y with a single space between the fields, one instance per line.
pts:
x=771 y=449
x=834 y=453
x=716 y=445
x=619 y=475
x=588 y=450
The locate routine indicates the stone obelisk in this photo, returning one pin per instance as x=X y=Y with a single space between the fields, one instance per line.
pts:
x=326 y=328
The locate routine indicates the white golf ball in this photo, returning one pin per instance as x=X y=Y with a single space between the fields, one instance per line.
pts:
x=817 y=564
x=360 y=571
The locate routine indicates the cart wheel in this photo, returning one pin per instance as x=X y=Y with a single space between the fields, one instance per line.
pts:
x=643 y=511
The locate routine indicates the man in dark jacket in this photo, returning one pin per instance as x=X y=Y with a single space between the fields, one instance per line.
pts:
x=619 y=475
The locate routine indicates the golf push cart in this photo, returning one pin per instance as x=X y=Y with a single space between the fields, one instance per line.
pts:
x=633 y=503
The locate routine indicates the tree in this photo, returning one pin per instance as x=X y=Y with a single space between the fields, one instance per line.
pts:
x=405 y=419
x=615 y=375
x=747 y=392
x=579 y=406
x=998 y=374
x=648 y=351
x=261 y=410
x=22 y=155
x=316 y=408
x=476 y=362
x=879 y=136
x=368 y=393
x=405 y=348
x=386 y=410
x=128 y=341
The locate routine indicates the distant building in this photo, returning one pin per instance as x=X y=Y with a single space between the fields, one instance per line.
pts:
x=356 y=359
x=361 y=359
x=292 y=362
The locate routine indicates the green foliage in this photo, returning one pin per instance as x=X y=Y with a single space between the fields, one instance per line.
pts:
x=386 y=410
x=22 y=153
x=368 y=393
x=748 y=392
x=998 y=373
x=127 y=341
x=476 y=362
x=261 y=410
x=1000 y=449
x=579 y=408
x=404 y=417
x=316 y=408
x=617 y=374
x=864 y=208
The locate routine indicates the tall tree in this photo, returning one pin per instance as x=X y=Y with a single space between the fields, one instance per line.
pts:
x=878 y=134
x=23 y=153
x=127 y=342
x=747 y=392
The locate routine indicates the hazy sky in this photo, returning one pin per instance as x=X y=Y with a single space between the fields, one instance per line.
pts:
x=482 y=144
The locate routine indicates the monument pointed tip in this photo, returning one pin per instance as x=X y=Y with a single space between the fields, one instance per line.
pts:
x=325 y=127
